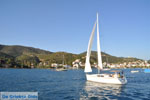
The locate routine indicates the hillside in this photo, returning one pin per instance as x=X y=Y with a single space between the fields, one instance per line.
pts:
x=27 y=57
x=6 y=60
x=20 y=56
x=108 y=58
x=21 y=50
x=59 y=57
x=4 y=55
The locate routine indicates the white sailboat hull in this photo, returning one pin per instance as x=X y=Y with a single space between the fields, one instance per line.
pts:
x=104 y=78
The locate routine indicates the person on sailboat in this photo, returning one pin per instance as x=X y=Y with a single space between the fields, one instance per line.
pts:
x=119 y=75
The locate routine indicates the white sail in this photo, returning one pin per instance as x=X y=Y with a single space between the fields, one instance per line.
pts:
x=98 y=47
x=87 y=63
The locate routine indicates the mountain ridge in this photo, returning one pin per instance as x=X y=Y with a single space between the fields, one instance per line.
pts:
x=24 y=56
x=17 y=50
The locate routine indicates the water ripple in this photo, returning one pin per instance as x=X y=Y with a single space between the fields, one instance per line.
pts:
x=72 y=85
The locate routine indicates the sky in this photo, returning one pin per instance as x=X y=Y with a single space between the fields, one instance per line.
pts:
x=66 y=25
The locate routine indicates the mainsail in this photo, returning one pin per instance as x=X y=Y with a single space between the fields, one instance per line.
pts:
x=87 y=63
x=98 y=48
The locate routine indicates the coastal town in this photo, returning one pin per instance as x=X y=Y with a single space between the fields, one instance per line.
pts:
x=136 y=64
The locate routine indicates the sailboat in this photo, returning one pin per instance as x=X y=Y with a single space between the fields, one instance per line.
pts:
x=116 y=78
x=63 y=68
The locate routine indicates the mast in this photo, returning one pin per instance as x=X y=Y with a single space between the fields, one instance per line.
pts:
x=98 y=49
x=63 y=60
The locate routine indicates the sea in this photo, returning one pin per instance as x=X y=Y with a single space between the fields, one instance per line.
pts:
x=72 y=85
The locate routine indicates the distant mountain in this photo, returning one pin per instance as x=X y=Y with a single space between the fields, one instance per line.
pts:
x=20 y=56
x=109 y=58
x=6 y=60
x=4 y=55
x=59 y=57
x=25 y=57
x=17 y=50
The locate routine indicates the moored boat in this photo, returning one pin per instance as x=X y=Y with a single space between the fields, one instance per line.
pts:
x=61 y=69
x=134 y=71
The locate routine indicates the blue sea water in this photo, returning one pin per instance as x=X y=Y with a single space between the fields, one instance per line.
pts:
x=72 y=85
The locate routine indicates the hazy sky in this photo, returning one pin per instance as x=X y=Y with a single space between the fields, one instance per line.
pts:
x=66 y=25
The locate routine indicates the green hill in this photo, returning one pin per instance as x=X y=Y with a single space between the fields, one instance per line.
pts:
x=21 y=55
x=17 y=50
x=59 y=57
x=7 y=60
x=108 y=58
x=4 y=55
x=25 y=57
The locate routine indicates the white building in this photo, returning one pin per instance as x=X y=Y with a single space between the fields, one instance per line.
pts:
x=54 y=65
x=77 y=63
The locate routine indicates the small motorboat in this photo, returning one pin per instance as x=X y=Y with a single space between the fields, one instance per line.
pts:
x=134 y=71
x=61 y=69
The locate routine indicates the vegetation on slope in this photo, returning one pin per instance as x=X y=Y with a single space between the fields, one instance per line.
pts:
x=21 y=50
x=28 y=57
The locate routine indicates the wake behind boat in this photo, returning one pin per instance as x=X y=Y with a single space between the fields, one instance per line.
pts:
x=115 y=78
